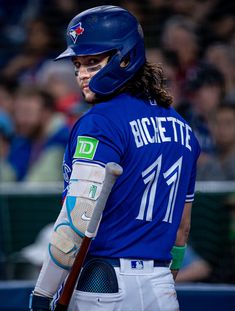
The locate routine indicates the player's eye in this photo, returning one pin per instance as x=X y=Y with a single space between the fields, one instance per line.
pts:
x=93 y=62
x=90 y=64
x=77 y=65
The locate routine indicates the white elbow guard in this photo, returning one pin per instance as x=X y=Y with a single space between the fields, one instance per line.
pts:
x=84 y=190
x=85 y=185
x=64 y=245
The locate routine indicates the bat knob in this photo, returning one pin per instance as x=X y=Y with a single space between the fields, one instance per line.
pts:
x=114 y=168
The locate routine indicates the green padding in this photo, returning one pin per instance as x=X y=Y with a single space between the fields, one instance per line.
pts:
x=177 y=253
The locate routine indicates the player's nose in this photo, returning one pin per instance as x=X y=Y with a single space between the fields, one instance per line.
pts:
x=82 y=72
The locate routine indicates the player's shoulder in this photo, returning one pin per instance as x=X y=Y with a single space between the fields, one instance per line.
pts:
x=113 y=105
x=111 y=111
x=116 y=109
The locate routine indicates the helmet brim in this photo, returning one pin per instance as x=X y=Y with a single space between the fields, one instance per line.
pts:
x=66 y=54
x=83 y=51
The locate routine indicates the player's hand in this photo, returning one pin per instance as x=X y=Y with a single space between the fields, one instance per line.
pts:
x=174 y=273
x=39 y=303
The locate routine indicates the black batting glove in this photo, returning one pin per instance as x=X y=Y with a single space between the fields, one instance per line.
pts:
x=39 y=303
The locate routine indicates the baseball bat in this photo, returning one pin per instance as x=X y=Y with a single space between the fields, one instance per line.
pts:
x=112 y=171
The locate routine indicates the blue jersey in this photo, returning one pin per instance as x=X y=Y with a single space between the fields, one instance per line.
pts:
x=158 y=152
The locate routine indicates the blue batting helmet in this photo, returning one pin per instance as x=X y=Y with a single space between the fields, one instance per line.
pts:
x=103 y=29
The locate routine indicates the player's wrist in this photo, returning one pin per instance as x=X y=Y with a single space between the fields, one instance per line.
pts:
x=39 y=303
x=177 y=254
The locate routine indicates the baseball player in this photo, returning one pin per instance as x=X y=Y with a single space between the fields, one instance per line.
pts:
x=140 y=243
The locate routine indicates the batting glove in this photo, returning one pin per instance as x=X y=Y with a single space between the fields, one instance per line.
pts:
x=39 y=303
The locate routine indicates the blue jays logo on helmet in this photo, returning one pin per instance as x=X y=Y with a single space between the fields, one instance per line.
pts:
x=106 y=29
x=76 y=31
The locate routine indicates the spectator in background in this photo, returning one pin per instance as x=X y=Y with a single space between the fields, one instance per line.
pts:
x=222 y=56
x=155 y=14
x=6 y=133
x=232 y=42
x=197 y=11
x=179 y=39
x=37 y=149
x=11 y=28
x=59 y=80
x=38 y=47
x=221 y=22
x=223 y=130
x=205 y=91
x=222 y=163
x=58 y=12
x=7 y=91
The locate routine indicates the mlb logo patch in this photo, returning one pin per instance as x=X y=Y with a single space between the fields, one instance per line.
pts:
x=137 y=264
x=76 y=31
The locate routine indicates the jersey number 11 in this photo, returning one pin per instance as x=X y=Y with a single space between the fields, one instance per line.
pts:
x=150 y=178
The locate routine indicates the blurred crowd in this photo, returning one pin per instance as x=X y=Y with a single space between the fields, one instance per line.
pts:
x=193 y=40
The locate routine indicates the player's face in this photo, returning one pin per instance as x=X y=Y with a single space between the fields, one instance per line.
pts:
x=85 y=68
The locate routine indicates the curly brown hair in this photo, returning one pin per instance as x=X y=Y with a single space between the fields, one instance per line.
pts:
x=149 y=83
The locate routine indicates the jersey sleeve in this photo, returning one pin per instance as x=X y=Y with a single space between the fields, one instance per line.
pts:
x=67 y=170
x=192 y=182
x=96 y=138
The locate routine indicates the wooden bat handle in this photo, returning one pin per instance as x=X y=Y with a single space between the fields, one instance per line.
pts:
x=67 y=292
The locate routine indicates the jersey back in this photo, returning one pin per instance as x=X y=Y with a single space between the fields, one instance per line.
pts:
x=158 y=152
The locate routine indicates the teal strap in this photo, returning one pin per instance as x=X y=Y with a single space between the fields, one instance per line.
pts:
x=177 y=253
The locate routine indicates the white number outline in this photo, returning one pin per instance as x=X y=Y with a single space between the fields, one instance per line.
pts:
x=150 y=177
x=151 y=181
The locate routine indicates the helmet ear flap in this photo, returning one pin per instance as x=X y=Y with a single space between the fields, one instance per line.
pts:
x=116 y=73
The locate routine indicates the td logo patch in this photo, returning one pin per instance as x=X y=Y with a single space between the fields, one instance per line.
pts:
x=86 y=147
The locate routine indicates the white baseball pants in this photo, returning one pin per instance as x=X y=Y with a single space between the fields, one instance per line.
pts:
x=146 y=289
